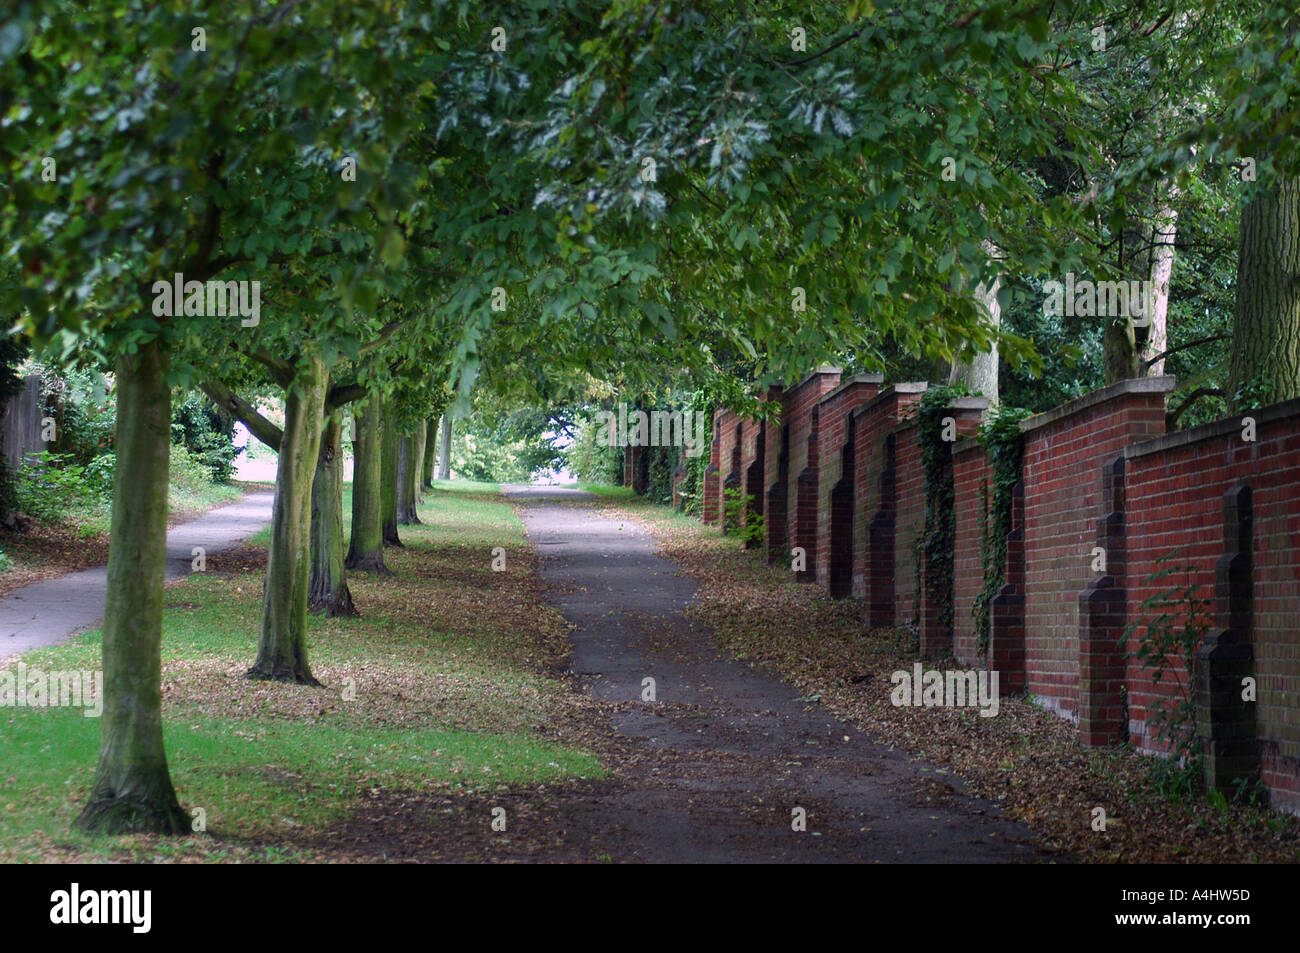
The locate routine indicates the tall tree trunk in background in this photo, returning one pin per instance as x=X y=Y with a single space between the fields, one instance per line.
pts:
x=1266 y=322
x=406 y=479
x=430 y=449
x=1147 y=254
x=328 y=589
x=282 y=646
x=1161 y=271
x=444 y=448
x=389 y=482
x=417 y=467
x=133 y=790
x=980 y=374
x=366 y=548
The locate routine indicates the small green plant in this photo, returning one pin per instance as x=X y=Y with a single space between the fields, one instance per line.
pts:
x=738 y=506
x=1170 y=627
x=55 y=484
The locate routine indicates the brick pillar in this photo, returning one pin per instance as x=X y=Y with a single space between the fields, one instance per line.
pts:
x=732 y=482
x=778 y=502
x=840 y=571
x=1007 y=609
x=710 y=511
x=1103 y=612
x=880 y=546
x=805 y=518
x=1225 y=722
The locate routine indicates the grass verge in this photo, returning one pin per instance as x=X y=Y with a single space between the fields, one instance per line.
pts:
x=440 y=689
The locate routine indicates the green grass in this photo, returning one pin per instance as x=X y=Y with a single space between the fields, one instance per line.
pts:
x=620 y=493
x=255 y=777
x=446 y=695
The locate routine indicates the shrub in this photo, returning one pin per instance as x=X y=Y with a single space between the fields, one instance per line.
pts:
x=55 y=483
x=206 y=434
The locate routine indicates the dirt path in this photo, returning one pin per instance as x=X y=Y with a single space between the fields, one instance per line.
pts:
x=50 y=612
x=712 y=770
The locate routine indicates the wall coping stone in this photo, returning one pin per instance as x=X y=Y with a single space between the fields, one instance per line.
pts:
x=1216 y=428
x=1136 y=385
x=893 y=390
x=855 y=379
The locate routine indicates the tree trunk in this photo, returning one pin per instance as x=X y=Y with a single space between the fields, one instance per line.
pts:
x=282 y=647
x=1161 y=271
x=1266 y=322
x=980 y=374
x=430 y=448
x=366 y=550
x=328 y=589
x=389 y=497
x=133 y=790
x=417 y=468
x=406 y=472
x=444 y=448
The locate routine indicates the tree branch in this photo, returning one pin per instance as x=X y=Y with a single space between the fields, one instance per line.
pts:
x=280 y=369
x=344 y=394
x=1163 y=354
x=1171 y=418
x=385 y=333
x=244 y=412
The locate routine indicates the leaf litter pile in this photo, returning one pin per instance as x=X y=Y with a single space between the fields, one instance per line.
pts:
x=1026 y=758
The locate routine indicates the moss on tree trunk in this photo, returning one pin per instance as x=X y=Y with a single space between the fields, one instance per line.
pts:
x=328 y=590
x=132 y=790
x=1266 y=324
x=417 y=467
x=388 y=483
x=282 y=646
x=430 y=449
x=406 y=472
x=366 y=549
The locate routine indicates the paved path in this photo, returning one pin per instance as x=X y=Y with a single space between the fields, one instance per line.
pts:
x=714 y=768
x=47 y=613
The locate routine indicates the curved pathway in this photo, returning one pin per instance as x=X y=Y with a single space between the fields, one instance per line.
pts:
x=50 y=612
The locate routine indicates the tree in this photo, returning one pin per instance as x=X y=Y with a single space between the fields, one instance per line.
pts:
x=328 y=586
x=1266 y=324
x=366 y=548
x=157 y=147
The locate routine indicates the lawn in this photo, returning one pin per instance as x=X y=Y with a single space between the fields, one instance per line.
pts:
x=440 y=688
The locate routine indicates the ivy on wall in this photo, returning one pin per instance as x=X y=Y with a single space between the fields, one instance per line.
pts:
x=934 y=546
x=1003 y=445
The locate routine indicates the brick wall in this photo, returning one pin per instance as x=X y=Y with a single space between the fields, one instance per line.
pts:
x=1174 y=490
x=835 y=420
x=970 y=479
x=1063 y=457
x=876 y=499
x=909 y=520
x=792 y=429
x=1097 y=472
